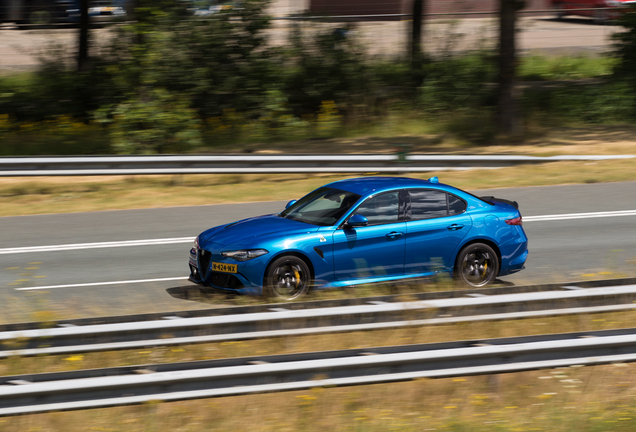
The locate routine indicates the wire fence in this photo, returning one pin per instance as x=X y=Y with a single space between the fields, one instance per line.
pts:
x=381 y=28
x=540 y=31
x=384 y=7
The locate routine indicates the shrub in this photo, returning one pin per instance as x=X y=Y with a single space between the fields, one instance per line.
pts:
x=154 y=121
x=625 y=51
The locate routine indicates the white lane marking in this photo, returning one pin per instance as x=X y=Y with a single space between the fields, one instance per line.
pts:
x=579 y=216
x=80 y=246
x=100 y=284
x=165 y=241
x=190 y=239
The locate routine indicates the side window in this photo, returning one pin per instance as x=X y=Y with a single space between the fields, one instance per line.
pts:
x=455 y=205
x=381 y=209
x=426 y=204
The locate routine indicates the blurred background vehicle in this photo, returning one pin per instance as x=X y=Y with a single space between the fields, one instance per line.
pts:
x=203 y=8
x=600 y=10
x=44 y=12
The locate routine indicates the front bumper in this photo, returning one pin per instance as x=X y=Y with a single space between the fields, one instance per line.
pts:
x=245 y=281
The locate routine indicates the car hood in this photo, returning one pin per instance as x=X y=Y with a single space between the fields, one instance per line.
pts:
x=249 y=230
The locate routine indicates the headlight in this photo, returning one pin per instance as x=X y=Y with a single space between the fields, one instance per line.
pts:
x=196 y=242
x=245 y=254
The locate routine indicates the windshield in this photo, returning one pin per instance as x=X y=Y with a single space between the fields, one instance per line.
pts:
x=324 y=206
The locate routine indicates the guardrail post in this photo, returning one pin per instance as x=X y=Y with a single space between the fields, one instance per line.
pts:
x=494 y=384
x=402 y=151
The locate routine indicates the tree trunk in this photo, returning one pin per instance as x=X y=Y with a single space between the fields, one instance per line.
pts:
x=416 y=41
x=82 y=58
x=508 y=117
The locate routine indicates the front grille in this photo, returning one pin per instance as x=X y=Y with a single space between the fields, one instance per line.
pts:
x=204 y=262
x=225 y=280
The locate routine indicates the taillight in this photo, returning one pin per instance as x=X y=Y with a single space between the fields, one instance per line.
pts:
x=515 y=221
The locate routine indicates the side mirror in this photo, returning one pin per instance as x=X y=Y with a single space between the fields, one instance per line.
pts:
x=357 y=220
x=291 y=203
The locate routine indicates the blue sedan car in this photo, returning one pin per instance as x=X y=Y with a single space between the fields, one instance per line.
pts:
x=364 y=230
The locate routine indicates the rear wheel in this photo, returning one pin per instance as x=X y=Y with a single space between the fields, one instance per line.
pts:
x=287 y=278
x=477 y=265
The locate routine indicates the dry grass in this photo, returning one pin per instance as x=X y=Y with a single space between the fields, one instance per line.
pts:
x=42 y=195
x=397 y=131
x=550 y=401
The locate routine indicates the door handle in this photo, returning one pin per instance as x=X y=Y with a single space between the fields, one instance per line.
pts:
x=455 y=227
x=394 y=234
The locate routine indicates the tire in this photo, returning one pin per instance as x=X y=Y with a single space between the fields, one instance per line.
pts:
x=287 y=278
x=477 y=265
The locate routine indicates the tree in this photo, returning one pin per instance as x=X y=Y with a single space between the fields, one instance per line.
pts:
x=625 y=50
x=509 y=121
x=82 y=58
x=416 y=41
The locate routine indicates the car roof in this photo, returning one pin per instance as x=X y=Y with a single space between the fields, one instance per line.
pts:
x=368 y=185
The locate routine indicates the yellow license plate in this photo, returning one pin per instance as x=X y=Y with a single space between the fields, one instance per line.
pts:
x=225 y=268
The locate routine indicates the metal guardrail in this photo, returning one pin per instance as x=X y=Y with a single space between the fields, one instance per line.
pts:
x=229 y=377
x=312 y=304
x=279 y=321
x=255 y=164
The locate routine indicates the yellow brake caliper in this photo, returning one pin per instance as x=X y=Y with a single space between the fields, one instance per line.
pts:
x=297 y=276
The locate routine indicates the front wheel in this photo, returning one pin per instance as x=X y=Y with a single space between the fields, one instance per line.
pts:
x=477 y=265
x=287 y=278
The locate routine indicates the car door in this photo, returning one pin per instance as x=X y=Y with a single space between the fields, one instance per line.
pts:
x=436 y=222
x=376 y=250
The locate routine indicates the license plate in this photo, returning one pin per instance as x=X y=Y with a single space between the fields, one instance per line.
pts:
x=224 y=268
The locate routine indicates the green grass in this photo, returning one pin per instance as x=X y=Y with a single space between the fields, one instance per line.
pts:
x=455 y=104
x=536 y=67
x=14 y=80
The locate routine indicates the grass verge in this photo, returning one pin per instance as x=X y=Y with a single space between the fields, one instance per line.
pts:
x=590 y=399
x=599 y=398
x=42 y=195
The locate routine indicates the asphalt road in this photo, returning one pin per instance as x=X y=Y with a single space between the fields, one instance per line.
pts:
x=560 y=250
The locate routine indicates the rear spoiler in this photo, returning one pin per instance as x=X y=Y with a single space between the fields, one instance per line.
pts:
x=492 y=198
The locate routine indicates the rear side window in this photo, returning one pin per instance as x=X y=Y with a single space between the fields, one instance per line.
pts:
x=455 y=205
x=429 y=204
